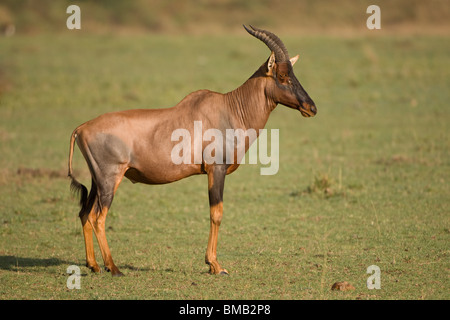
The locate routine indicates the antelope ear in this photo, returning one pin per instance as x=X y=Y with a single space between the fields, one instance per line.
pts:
x=294 y=60
x=270 y=63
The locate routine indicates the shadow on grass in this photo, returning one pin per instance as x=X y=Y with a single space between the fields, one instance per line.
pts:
x=13 y=263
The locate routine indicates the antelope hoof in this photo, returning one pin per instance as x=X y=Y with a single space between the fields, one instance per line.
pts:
x=114 y=272
x=117 y=274
x=94 y=268
x=214 y=268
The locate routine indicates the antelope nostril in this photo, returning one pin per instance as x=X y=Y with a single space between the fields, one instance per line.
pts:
x=310 y=107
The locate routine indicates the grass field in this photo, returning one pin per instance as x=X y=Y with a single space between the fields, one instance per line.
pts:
x=365 y=182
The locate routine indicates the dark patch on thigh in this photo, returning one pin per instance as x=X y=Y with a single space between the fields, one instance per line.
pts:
x=109 y=156
x=108 y=149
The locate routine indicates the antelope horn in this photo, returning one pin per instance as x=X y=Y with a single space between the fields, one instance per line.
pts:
x=272 y=41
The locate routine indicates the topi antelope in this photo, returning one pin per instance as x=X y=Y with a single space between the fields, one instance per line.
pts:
x=137 y=144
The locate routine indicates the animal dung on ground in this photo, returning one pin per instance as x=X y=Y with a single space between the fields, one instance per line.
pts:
x=342 y=286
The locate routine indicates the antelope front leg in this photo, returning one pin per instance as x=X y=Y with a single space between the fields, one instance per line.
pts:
x=216 y=179
x=216 y=212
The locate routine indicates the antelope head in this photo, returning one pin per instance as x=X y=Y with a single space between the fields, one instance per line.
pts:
x=283 y=86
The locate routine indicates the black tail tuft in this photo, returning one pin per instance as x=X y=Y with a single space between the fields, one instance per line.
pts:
x=78 y=188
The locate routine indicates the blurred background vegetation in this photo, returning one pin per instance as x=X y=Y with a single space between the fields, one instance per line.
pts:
x=225 y=16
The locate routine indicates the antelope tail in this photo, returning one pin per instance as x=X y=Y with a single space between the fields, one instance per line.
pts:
x=75 y=186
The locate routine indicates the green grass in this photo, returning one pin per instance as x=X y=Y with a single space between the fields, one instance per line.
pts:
x=363 y=183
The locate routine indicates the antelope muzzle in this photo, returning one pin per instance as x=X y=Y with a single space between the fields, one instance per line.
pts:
x=307 y=109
